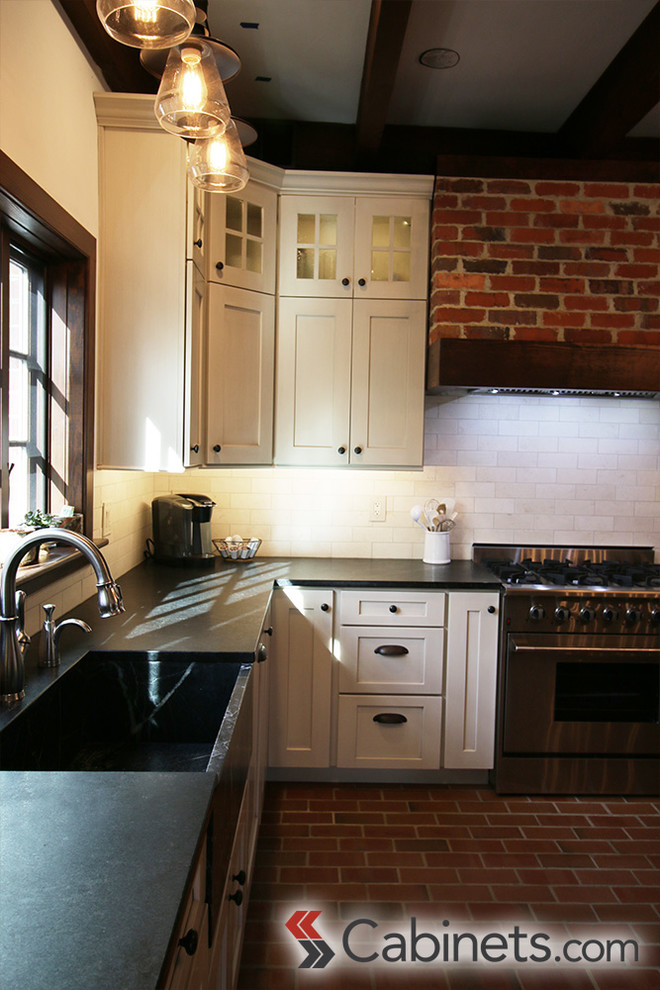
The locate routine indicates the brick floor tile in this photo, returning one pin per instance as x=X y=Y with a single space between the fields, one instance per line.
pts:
x=626 y=912
x=402 y=860
x=460 y=892
x=548 y=875
x=516 y=860
x=370 y=844
x=527 y=893
x=563 y=912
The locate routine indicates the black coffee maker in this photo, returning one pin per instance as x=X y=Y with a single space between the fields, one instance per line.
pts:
x=182 y=529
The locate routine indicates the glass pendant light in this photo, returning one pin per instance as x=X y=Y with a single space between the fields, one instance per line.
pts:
x=191 y=100
x=147 y=23
x=218 y=164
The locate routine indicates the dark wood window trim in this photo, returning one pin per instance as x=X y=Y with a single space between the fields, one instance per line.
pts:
x=32 y=215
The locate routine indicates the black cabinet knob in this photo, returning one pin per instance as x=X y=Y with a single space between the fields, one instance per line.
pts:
x=269 y=631
x=219 y=265
x=492 y=609
x=240 y=877
x=362 y=281
x=393 y=608
x=217 y=448
x=346 y=281
x=341 y=450
x=237 y=898
x=357 y=450
x=325 y=607
x=195 y=448
x=198 y=242
x=189 y=941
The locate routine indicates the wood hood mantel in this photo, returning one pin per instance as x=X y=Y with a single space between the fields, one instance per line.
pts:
x=458 y=366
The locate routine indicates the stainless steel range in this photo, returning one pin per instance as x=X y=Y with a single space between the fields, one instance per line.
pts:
x=579 y=680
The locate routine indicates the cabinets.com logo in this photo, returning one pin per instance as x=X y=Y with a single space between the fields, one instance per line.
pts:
x=361 y=943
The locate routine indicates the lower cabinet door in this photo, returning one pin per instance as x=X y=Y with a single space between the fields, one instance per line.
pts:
x=390 y=732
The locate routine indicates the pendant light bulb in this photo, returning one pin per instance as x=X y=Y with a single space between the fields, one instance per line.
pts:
x=191 y=100
x=218 y=164
x=147 y=23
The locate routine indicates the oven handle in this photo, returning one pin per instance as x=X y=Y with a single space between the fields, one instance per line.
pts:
x=597 y=650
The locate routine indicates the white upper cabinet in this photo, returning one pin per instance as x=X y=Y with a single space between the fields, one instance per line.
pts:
x=243 y=238
x=354 y=247
x=240 y=370
x=142 y=288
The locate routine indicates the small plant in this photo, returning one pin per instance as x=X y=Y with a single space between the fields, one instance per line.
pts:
x=40 y=520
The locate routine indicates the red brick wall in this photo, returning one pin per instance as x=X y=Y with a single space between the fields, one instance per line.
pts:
x=546 y=260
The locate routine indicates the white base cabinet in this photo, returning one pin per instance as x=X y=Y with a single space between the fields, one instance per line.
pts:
x=402 y=680
x=471 y=684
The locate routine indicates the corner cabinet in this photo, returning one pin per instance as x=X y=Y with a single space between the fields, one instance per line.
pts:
x=353 y=274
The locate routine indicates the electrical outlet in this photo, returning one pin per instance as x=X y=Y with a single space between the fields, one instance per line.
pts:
x=106 y=527
x=378 y=508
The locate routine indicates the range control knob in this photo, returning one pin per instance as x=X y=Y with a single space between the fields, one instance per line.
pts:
x=587 y=614
x=655 y=616
x=562 y=614
x=633 y=615
x=610 y=614
x=536 y=613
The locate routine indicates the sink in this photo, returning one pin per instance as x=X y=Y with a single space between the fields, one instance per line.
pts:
x=129 y=712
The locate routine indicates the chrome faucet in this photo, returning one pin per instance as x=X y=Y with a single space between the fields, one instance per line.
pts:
x=13 y=641
x=50 y=636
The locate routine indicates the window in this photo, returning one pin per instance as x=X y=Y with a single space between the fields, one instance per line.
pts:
x=47 y=271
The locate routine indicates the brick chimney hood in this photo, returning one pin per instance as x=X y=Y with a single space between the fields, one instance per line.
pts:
x=545 y=276
x=457 y=366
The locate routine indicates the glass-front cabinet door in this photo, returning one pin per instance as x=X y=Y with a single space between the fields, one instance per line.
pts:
x=316 y=239
x=243 y=238
x=391 y=248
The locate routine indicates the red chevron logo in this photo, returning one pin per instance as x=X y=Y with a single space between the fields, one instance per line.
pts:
x=300 y=924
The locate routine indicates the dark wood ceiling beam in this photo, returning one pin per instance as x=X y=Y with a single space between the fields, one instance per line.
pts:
x=387 y=29
x=627 y=90
x=119 y=64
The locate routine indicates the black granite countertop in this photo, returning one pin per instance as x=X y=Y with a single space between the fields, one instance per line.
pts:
x=93 y=869
x=94 y=865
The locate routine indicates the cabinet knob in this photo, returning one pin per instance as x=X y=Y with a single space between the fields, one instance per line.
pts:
x=195 y=448
x=262 y=654
x=219 y=265
x=393 y=608
x=217 y=448
x=240 y=877
x=237 y=898
x=341 y=450
x=357 y=450
x=346 y=281
x=362 y=282
x=325 y=607
x=390 y=718
x=189 y=941
x=492 y=609
x=269 y=631
x=198 y=242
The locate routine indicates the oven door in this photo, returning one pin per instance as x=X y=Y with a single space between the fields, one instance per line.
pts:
x=572 y=694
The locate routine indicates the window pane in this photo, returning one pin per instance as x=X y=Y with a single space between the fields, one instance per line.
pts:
x=28 y=368
x=253 y=255
x=401 y=232
x=254 y=220
x=380 y=268
x=234 y=219
x=306 y=228
x=380 y=232
x=327 y=263
x=328 y=228
x=401 y=266
x=233 y=251
x=305 y=263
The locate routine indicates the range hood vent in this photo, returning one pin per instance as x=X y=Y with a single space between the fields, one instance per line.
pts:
x=458 y=367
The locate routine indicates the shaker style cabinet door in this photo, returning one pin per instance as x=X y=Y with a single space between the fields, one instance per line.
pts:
x=196 y=232
x=243 y=237
x=239 y=376
x=470 y=689
x=391 y=248
x=387 y=383
x=313 y=381
x=301 y=678
x=316 y=246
